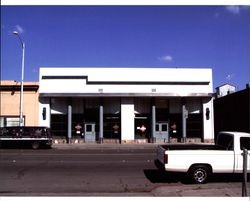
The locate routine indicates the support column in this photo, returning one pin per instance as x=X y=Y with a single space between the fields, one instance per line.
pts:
x=153 y=138
x=184 y=123
x=101 y=124
x=127 y=120
x=208 y=120
x=44 y=112
x=69 y=123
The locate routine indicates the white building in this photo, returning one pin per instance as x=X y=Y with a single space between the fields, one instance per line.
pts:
x=224 y=90
x=127 y=104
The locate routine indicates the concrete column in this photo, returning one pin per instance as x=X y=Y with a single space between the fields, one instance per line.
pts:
x=208 y=120
x=184 y=123
x=69 y=123
x=44 y=103
x=153 y=123
x=127 y=120
x=101 y=123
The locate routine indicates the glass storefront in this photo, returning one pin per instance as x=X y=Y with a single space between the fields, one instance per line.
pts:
x=112 y=126
x=86 y=117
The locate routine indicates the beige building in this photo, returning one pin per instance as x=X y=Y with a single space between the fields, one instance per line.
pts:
x=10 y=103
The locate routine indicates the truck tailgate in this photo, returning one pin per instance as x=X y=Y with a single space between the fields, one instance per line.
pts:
x=161 y=155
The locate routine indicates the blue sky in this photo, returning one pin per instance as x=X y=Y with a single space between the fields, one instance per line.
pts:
x=128 y=36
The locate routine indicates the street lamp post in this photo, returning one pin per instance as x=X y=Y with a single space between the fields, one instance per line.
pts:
x=22 y=76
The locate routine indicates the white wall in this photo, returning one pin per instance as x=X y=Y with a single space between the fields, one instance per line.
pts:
x=44 y=103
x=208 y=124
x=55 y=86
x=127 y=119
x=225 y=90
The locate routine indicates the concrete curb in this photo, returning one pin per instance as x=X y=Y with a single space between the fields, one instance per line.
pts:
x=104 y=146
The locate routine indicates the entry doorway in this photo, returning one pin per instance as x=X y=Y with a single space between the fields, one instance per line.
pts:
x=161 y=132
x=90 y=132
x=112 y=126
x=142 y=127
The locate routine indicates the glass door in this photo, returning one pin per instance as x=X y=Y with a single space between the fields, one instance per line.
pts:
x=161 y=132
x=90 y=132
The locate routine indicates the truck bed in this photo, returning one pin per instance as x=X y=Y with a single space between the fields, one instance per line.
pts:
x=192 y=147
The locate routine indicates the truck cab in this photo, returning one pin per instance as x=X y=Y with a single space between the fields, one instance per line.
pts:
x=236 y=142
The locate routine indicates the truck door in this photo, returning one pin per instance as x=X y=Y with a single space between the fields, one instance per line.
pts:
x=89 y=132
x=244 y=144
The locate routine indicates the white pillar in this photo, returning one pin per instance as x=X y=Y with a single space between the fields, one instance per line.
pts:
x=184 y=123
x=153 y=123
x=69 y=123
x=44 y=112
x=127 y=120
x=101 y=123
x=208 y=120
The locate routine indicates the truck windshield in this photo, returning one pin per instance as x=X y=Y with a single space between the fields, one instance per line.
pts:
x=226 y=141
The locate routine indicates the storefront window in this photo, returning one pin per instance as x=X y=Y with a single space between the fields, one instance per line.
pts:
x=59 y=124
x=112 y=128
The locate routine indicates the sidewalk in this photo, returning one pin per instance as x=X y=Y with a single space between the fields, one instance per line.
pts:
x=207 y=190
x=89 y=146
x=213 y=190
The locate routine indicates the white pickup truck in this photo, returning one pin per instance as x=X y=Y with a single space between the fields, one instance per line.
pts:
x=199 y=161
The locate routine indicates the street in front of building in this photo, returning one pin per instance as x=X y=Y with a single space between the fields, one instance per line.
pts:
x=99 y=170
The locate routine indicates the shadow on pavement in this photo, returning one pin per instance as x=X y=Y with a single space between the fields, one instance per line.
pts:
x=21 y=145
x=160 y=176
x=226 y=178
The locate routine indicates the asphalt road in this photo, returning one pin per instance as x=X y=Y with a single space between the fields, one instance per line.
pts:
x=69 y=172
x=80 y=172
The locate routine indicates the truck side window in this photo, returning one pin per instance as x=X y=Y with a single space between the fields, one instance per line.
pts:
x=226 y=141
x=245 y=143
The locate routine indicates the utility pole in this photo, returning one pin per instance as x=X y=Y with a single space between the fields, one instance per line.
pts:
x=244 y=181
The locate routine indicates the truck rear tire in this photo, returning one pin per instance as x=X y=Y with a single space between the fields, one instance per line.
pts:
x=199 y=174
x=35 y=145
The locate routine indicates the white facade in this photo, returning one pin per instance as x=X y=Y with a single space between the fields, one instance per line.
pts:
x=128 y=97
x=225 y=90
x=93 y=81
